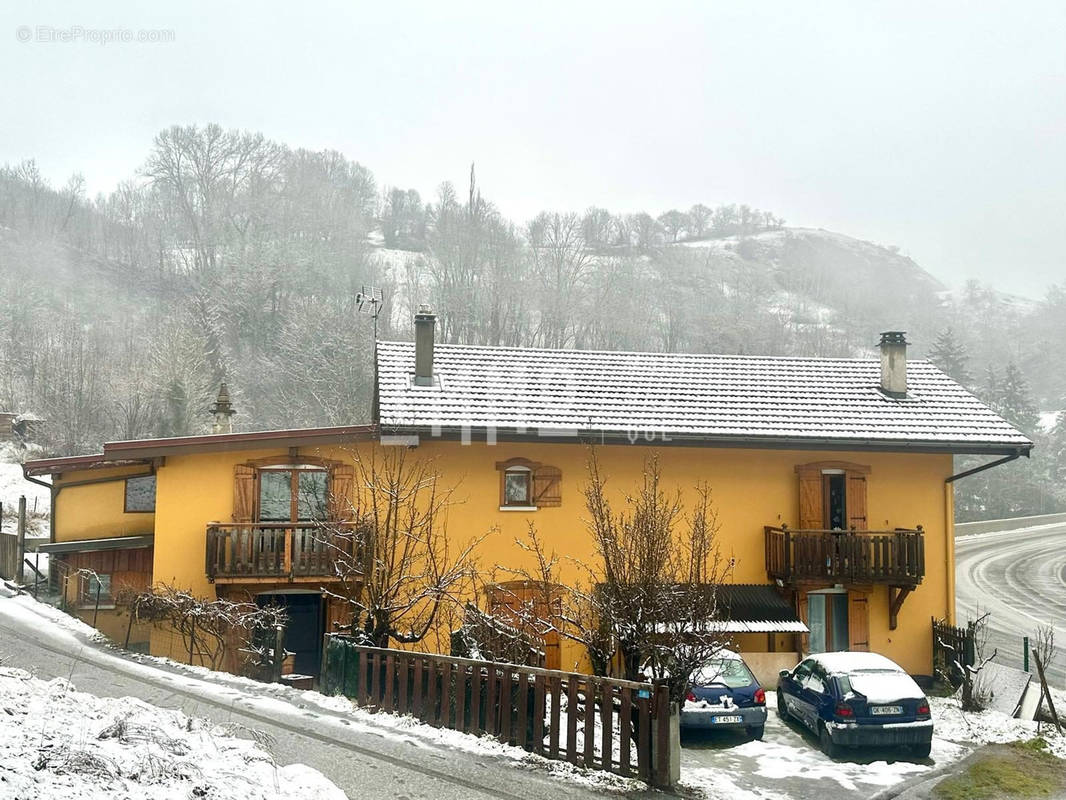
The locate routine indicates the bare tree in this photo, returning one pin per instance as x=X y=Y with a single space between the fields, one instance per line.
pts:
x=398 y=572
x=650 y=595
x=966 y=674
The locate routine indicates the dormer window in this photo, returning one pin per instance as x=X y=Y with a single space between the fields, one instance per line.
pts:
x=528 y=485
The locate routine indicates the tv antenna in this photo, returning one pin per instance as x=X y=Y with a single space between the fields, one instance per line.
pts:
x=369 y=302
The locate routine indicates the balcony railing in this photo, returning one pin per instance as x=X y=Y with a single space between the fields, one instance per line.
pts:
x=894 y=557
x=282 y=551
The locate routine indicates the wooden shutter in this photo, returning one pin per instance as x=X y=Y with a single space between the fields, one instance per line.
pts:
x=858 y=622
x=341 y=483
x=856 y=501
x=547 y=486
x=810 y=500
x=805 y=638
x=244 y=483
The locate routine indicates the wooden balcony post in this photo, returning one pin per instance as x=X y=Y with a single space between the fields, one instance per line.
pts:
x=786 y=549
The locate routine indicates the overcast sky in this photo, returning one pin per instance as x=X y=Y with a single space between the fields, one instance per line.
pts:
x=940 y=128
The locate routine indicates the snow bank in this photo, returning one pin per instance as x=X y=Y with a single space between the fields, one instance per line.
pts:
x=56 y=742
x=12 y=486
x=318 y=713
x=989 y=726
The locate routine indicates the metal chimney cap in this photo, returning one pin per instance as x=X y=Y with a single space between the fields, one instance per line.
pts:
x=894 y=337
x=424 y=310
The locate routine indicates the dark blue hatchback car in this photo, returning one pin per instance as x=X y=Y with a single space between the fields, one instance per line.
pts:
x=725 y=694
x=854 y=700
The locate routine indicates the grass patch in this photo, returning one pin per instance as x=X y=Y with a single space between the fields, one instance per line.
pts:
x=1020 y=769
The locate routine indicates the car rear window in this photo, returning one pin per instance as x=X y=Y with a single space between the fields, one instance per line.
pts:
x=728 y=671
x=844 y=680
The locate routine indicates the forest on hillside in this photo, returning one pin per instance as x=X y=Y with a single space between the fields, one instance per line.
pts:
x=228 y=256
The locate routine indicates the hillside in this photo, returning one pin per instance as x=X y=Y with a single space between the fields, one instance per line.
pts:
x=123 y=313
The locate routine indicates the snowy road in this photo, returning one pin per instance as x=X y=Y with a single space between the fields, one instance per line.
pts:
x=1019 y=576
x=363 y=760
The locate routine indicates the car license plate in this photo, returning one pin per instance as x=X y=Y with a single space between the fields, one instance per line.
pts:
x=727 y=719
x=885 y=711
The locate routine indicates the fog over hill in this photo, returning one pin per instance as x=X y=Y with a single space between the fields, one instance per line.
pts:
x=232 y=257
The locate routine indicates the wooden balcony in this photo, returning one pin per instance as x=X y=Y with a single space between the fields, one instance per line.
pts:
x=894 y=558
x=261 y=552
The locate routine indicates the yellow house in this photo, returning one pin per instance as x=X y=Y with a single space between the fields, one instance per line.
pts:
x=832 y=480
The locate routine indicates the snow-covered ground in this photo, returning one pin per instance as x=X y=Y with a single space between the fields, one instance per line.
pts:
x=285 y=705
x=56 y=742
x=12 y=486
x=786 y=764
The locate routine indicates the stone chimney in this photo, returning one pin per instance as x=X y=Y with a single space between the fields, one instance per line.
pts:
x=894 y=363
x=425 y=322
x=223 y=411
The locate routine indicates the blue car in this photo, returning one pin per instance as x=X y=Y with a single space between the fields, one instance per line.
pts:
x=856 y=700
x=725 y=695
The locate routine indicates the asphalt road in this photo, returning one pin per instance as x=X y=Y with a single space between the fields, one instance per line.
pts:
x=363 y=765
x=1020 y=577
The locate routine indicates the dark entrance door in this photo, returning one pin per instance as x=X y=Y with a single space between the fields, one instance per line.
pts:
x=303 y=634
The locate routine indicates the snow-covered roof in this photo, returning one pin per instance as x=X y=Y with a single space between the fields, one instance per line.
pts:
x=716 y=399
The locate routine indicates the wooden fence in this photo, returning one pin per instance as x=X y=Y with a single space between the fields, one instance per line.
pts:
x=9 y=557
x=600 y=723
x=952 y=644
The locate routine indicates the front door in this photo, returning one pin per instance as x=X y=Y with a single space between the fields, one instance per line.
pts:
x=304 y=630
x=827 y=618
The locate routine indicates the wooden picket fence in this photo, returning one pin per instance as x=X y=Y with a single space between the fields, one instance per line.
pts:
x=540 y=710
x=9 y=557
x=951 y=645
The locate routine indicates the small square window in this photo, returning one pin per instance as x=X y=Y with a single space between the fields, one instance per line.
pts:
x=140 y=495
x=516 y=487
x=89 y=586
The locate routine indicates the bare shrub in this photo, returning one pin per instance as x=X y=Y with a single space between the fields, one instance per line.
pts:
x=399 y=573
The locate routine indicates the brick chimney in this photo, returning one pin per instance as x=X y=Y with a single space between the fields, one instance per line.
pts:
x=894 y=363
x=223 y=411
x=425 y=322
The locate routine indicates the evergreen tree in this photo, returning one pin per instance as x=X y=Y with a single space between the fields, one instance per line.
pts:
x=1016 y=400
x=950 y=356
x=992 y=391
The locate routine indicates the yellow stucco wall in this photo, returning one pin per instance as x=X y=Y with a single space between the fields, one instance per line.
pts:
x=751 y=488
x=95 y=510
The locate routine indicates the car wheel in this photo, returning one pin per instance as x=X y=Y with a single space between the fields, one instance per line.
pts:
x=921 y=751
x=756 y=732
x=829 y=747
x=782 y=706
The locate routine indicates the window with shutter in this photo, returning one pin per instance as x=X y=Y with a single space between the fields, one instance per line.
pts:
x=292 y=489
x=244 y=493
x=832 y=494
x=529 y=485
x=547 y=489
x=341 y=483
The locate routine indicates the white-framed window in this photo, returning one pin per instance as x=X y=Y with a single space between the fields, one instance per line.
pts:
x=518 y=487
x=528 y=485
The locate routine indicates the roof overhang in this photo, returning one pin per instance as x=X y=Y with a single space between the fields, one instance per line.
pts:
x=414 y=434
x=298 y=437
x=96 y=545
x=52 y=466
x=143 y=451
